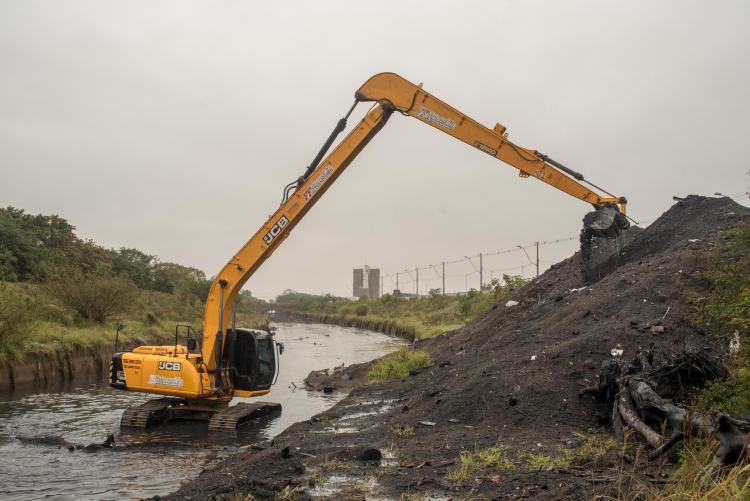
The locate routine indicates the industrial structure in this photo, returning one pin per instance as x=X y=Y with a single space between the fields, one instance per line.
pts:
x=366 y=283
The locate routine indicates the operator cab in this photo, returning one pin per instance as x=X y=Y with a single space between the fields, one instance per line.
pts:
x=251 y=357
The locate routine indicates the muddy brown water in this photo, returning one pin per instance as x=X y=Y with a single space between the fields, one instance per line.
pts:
x=33 y=424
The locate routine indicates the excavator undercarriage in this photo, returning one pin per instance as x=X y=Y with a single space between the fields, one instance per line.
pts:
x=220 y=416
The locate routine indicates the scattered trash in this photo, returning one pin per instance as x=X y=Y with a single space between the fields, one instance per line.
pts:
x=533 y=357
x=511 y=303
x=734 y=343
x=578 y=289
x=427 y=423
x=693 y=240
x=667 y=312
x=617 y=352
x=658 y=329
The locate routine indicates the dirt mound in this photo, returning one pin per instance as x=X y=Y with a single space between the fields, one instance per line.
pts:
x=539 y=354
x=515 y=374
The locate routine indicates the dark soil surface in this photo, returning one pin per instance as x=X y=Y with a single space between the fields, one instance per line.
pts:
x=512 y=377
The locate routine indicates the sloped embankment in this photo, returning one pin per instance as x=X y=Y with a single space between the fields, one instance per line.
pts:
x=512 y=377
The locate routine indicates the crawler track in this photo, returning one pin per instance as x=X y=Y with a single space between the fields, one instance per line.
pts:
x=152 y=412
x=219 y=418
x=233 y=417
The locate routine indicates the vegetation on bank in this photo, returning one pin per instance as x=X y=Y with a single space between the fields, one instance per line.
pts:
x=426 y=316
x=724 y=313
x=56 y=289
x=397 y=365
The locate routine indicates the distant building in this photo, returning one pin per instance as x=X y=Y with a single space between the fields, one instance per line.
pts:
x=367 y=282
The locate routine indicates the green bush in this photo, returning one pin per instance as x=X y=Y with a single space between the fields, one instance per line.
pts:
x=465 y=302
x=16 y=313
x=361 y=310
x=731 y=396
x=397 y=365
x=94 y=296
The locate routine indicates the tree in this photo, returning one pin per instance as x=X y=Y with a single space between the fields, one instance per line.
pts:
x=94 y=296
x=135 y=265
x=34 y=247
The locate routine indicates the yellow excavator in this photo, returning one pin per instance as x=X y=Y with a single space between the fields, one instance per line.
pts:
x=200 y=378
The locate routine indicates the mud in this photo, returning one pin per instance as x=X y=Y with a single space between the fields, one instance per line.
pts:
x=513 y=377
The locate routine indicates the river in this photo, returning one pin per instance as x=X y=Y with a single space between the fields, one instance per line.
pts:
x=153 y=462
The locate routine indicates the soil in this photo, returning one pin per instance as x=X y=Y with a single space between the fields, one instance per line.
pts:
x=511 y=377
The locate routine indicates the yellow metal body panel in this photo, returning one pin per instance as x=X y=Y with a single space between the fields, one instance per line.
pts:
x=161 y=350
x=176 y=376
x=249 y=394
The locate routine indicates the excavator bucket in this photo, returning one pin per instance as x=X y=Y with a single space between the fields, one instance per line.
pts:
x=605 y=222
x=600 y=242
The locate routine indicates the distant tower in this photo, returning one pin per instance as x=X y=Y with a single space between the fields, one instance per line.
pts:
x=366 y=283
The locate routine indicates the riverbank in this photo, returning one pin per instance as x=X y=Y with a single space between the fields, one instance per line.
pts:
x=406 y=317
x=55 y=345
x=389 y=327
x=505 y=409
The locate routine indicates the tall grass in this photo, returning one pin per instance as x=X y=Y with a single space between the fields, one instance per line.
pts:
x=37 y=322
x=397 y=365
x=698 y=479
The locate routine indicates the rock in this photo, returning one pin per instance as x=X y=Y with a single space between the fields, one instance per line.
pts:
x=359 y=453
x=418 y=370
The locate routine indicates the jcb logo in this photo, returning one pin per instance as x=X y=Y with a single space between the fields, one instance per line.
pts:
x=169 y=366
x=275 y=230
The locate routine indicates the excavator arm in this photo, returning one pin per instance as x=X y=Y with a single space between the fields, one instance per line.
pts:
x=399 y=94
x=390 y=93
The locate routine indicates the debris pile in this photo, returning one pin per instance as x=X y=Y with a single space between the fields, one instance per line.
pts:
x=533 y=378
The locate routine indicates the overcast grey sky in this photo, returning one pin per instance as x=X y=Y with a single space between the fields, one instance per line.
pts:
x=173 y=126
